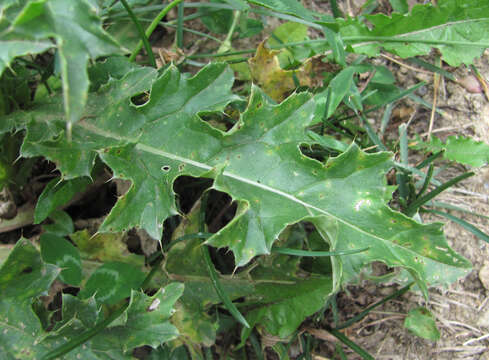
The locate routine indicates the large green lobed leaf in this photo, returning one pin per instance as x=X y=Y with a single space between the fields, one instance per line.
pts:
x=457 y=23
x=258 y=163
x=78 y=36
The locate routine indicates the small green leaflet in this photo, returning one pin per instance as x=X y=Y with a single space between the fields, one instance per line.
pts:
x=421 y=322
x=463 y=150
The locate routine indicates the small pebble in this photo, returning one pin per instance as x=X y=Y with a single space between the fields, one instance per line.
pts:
x=484 y=275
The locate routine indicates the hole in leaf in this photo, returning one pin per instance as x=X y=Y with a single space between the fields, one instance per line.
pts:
x=223 y=121
x=188 y=190
x=316 y=152
x=140 y=99
x=27 y=270
x=220 y=210
x=166 y=168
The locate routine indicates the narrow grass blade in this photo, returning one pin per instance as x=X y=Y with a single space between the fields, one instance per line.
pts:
x=371 y=134
x=233 y=310
x=340 y=352
x=444 y=205
x=142 y=35
x=403 y=144
x=467 y=226
x=179 y=33
x=199 y=235
x=426 y=182
x=413 y=170
x=432 y=68
x=220 y=291
x=413 y=207
x=345 y=340
x=306 y=253
x=429 y=160
x=208 y=353
x=386 y=118
x=153 y=26
x=255 y=344
x=335 y=9
x=426 y=104
x=402 y=94
x=402 y=178
x=365 y=312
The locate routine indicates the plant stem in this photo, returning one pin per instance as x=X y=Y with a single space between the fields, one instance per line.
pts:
x=153 y=26
x=413 y=207
x=142 y=35
x=400 y=39
x=226 y=44
x=180 y=26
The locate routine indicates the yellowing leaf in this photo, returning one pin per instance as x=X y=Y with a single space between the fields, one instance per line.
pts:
x=275 y=81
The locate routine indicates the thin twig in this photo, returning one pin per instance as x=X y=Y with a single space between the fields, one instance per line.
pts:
x=436 y=84
x=448 y=128
x=400 y=63
x=480 y=338
x=473 y=349
x=393 y=317
x=364 y=85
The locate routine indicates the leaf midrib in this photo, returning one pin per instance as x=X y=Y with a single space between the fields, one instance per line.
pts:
x=203 y=166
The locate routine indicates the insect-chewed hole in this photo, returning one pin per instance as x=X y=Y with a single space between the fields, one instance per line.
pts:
x=188 y=190
x=27 y=270
x=223 y=121
x=166 y=168
x=140 y=99
x=220 y=210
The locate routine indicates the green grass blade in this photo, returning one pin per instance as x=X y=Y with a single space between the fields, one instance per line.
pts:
x=179 y=33
x=365 y=312
x=429 y=160
x=233 y=310
x=153 y=26
x=335 y=9
x=340 y=352
x=345 y=340
x=386 y=118
x=306 y=253
x=426 y=104
x=432 y=68
x=142 y=35
x=444 y=205
x=255 y=344
x=467 y=226
x=413 y=207
x=199 y=235
x=372 y=134
x=426 y=182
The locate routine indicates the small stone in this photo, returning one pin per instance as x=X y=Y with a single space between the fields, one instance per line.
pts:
x=484 y=275
x=484 y=319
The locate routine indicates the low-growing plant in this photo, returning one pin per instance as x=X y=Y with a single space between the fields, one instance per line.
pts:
x=252 y=202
